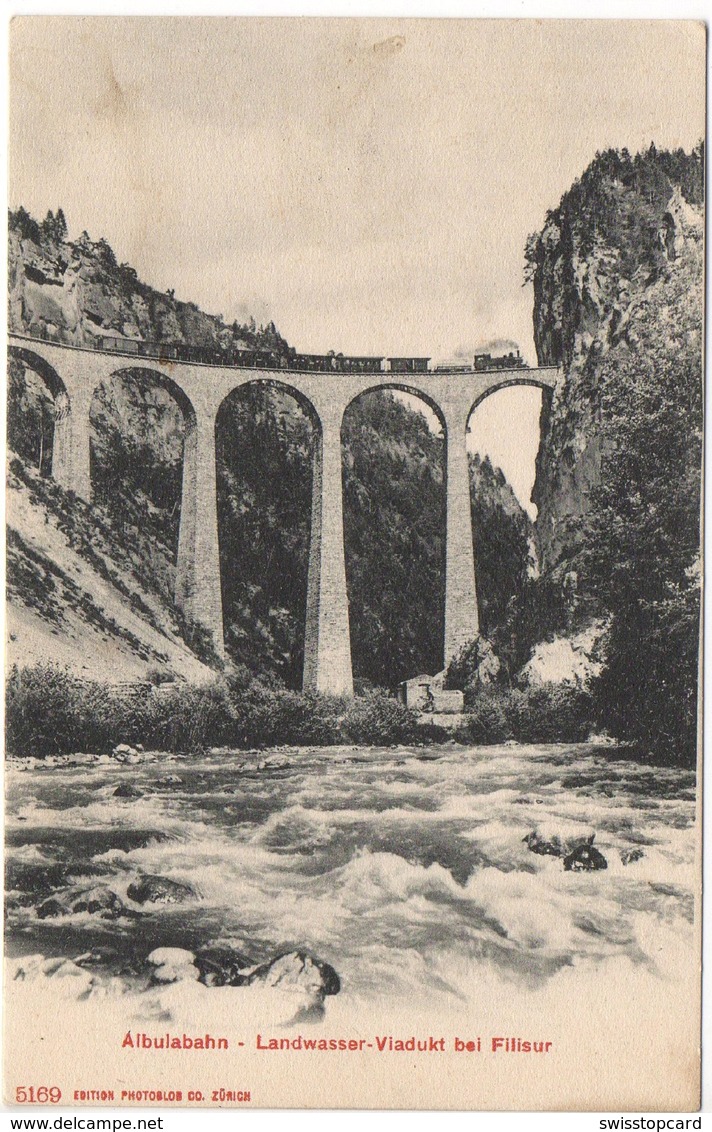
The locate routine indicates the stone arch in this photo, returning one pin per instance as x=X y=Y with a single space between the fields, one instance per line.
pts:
x=268 y=437
x=57 y=461
x=508 y=383
x=527 y=381
x=275 y=383
x=41 y=366
x=155 y=503
x=149 y=376
x=402 y=387
x=501 y=531
x=395 y=553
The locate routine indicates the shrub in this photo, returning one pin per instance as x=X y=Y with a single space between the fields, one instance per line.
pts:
x=544 y=713
x=157 y=674
x=50 y=711
x=188 y=717
x=378 y=718
x=487 y=718
x=266 y=716
x=551 y=713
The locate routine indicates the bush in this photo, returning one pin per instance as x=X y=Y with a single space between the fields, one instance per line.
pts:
x=551 y=713
x=158 y=675
x=188 y=717
x=378 y=718
x=545 y=713
x=264 y=717
x=49 y=711
x=487 y=718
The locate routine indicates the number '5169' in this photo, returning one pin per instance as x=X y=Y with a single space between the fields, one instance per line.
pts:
x=41 y=1094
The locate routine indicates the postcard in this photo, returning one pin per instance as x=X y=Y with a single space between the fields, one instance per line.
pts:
x=354 y=448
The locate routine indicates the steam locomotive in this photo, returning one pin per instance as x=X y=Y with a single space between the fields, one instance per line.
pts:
x=485 y=362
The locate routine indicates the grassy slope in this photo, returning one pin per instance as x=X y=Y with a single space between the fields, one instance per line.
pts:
x=73 y=596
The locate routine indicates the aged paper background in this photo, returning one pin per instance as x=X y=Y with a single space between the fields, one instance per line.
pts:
x=622 y=1036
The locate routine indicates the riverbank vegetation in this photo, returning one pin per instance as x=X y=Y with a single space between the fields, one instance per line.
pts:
x=50 y=711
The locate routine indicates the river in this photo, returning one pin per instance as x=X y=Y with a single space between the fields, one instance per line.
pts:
x=406 y=868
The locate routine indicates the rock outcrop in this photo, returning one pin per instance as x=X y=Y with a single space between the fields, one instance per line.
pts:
x=620 y=239
x=76 y=292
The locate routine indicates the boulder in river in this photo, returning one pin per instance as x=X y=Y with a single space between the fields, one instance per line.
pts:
x=222 y=967
x=159 y=890
x=99 y=900
x=172 y=965
x=127 y=790
x=585 y=858
x=54 y=906
x=555 y=840
x=628 y=856
x=299 y=971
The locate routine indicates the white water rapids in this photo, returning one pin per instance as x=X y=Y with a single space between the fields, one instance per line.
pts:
x=404 y=868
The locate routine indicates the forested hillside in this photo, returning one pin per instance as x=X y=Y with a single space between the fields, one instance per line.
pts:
x=618 y=301
x=394 y=495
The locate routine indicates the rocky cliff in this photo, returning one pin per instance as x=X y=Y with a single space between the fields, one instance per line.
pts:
x=76 y=292
x=626 y=237
x=618 y=286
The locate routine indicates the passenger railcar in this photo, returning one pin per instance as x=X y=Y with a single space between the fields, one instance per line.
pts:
x=408 y=365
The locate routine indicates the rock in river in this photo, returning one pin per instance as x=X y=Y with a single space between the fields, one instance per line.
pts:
x=99 y=900
x=222 y=967
x=54 y=906
x=172 y=965
x=297 y=970
x=159 y=890
x=127 y=790
x=558 y=840
x=585 y=859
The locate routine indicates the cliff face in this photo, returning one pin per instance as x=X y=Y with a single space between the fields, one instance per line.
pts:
x=76 y=292
x=625 y=240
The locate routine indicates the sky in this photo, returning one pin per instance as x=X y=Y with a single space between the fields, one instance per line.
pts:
x=367 y=184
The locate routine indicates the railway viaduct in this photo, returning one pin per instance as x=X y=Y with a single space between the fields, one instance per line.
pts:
x=72 y=374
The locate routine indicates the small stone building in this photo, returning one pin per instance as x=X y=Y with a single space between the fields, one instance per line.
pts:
x=426 y=693
x=416 y=693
